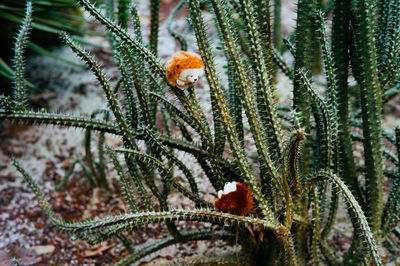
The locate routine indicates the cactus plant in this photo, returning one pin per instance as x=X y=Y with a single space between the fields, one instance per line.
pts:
x=304 y=151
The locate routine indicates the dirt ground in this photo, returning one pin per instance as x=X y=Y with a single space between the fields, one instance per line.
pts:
x=48 y=152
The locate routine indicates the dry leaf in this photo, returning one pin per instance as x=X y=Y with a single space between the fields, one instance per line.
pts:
x=40 y=250
x=97 y=250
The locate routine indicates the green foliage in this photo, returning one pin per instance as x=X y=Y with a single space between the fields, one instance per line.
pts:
x=22 y=36
x=304 y=154
x=47 y=20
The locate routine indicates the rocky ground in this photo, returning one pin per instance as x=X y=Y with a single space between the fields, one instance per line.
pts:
x=48 y=152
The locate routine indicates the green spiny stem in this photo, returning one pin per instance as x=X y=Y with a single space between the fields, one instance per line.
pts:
x=355 y=254
x=130 y=107
x=398 y=147
x=235 y=103
x=391 y=211
x=323 y=202
x=356 y=210
x=383 y=21
x=112 y=40
x=109 y=9
x=191 y=147
x=144 y=157
x=333 y=208
x=117 y=86
x=386 y=134
x=316 y=226
x=35 y=188
x=222 y=107
x=396 y=232
x=99 y=230
x=115 y=108
x=318 y=141
x=37 y=118
x=167 y=123
x=331 y=81
x=176 y=35
x=154 y=21
x=136 y=23
x=202 y=160
x=371 y=105
x=328 y=253
x=389 y=136
x=294 y=161
x=391 y=244
x=301 y=236
x=289 y=46
x=261 y=10
x=301 y=99
x=390 y=156
x=227 y=261
x=388 y=37
x=131 y=221
x=99 y=173
x=138 y=83
x=168 y=241
x=33 y=118
x=196 y=151
x=289 y=256
x=388 y=42
x=190 y=195
x=166 y=120
x=247 y=99
x=303 y=46
x=89 y=175
x=333 y=104
x=263 y=71
x=172 y=108
x=194 y=110
x=137 y=180
x=315 y=49
x=101 y=177
x=135 y=44
x=127 y=244
x=98 y=237
x=277 y=57
x=125 y=183
x=388 y=173
x=6 y=104
x=123 y=13
x=219 y=136
x=112 y=101
x=153 y=138
x=238 y=27
x=192 y=106
x=182 y=127
x=324 y=109
x=60 y=185
x=149 y=177
x=231 y=94
x=390 y=218
x=391 y=72
x=354 y=54
x=277 y=37
x=21 y=39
